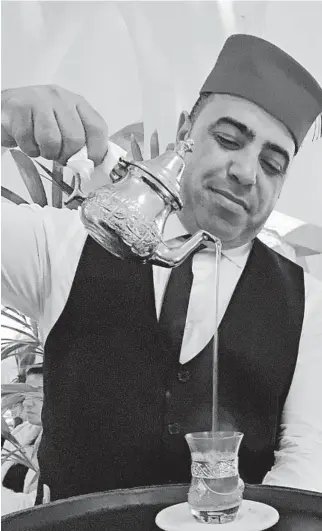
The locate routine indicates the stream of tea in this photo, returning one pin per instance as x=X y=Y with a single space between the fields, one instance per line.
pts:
x=214 y=423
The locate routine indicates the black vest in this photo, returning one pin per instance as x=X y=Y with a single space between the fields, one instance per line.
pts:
x=117 y=402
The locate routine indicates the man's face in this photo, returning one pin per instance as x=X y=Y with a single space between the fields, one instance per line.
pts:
x=33 y=402
x=235 y=173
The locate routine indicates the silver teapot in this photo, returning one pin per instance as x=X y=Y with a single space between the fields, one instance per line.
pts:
x=127 y=217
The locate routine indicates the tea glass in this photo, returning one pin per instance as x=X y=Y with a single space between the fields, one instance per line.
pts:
x=216 y=489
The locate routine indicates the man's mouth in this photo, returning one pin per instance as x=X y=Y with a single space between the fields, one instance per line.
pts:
x=231 y=197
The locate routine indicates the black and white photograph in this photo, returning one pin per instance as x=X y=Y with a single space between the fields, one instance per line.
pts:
x=161 y=255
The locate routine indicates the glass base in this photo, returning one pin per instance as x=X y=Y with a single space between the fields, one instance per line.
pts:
x=215 y=517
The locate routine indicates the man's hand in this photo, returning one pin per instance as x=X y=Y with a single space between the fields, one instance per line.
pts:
x=52 y=122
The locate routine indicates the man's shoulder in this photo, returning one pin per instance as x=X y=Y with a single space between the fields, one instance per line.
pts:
x=60 y=218
x=276 y=256
x=49 y=212
x=313 y=285
x=45 y=221
x=37 y=211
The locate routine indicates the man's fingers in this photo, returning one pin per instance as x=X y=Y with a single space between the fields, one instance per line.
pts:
x=72 y=133
x=135 y=148
x=154 y=145
x=24 y=134
x=7 y=141
x=47 y=134
x=7 y=138
x=96 y=132
x=52 y=122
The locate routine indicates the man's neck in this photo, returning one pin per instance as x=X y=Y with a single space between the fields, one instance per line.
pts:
x=174 y=228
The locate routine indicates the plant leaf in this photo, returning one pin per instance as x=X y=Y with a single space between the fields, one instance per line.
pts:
x=135 y=148
x=14 y=198
x=14 y=318
x=21 y=456
x=24 y=332
x=11 y=310
x=24 y=460
x=5 y=432
x=34 y=328
x=36 y=445
x=9 y=401
x=6 y=454
x=19 y=343
x=64 y=186
x=25 y=358
x=17 y=316
x=73 y=205
x=32 y=482
x=11 y=350
x=57 y=193
x=12 y=388
x=31 y=177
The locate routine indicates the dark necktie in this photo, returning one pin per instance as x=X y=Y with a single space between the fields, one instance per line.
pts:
x=175 y=306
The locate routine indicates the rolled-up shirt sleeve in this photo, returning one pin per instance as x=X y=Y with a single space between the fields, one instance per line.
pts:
x=40 y=249
x=298 y=460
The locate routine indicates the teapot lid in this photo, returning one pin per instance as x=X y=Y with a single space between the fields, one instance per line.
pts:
x=167 y=169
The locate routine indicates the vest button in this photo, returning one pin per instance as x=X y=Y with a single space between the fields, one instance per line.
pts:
x=174 y=428
x=183 y=375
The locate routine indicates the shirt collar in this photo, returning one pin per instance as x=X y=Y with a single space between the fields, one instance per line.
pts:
x=175 y=229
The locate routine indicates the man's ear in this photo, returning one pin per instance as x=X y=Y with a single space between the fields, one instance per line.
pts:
x=184 y=126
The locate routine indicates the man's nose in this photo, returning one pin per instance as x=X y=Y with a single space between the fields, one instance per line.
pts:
x=244 y=169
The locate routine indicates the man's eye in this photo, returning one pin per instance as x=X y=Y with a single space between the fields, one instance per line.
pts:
x=227 y=142
x=271 y=168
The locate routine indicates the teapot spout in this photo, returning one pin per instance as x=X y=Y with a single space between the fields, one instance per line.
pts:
x=169 y=257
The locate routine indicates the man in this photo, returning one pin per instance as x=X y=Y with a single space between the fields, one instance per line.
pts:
x=18 y=489
x=128 y=354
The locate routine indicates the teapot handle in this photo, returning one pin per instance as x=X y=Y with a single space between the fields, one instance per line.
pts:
x=77 y=194
x=120 y=170
x=165 y=256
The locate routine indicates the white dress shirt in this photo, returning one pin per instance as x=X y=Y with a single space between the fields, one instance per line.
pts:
x=41 y=248
x=201 y=315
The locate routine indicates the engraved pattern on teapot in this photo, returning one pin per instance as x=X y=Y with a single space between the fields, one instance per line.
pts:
x=124 y=216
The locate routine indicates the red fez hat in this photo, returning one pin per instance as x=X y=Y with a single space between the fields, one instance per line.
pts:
x=260 y=72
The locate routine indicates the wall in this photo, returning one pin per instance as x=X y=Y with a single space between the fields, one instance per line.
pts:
x=146 y=61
